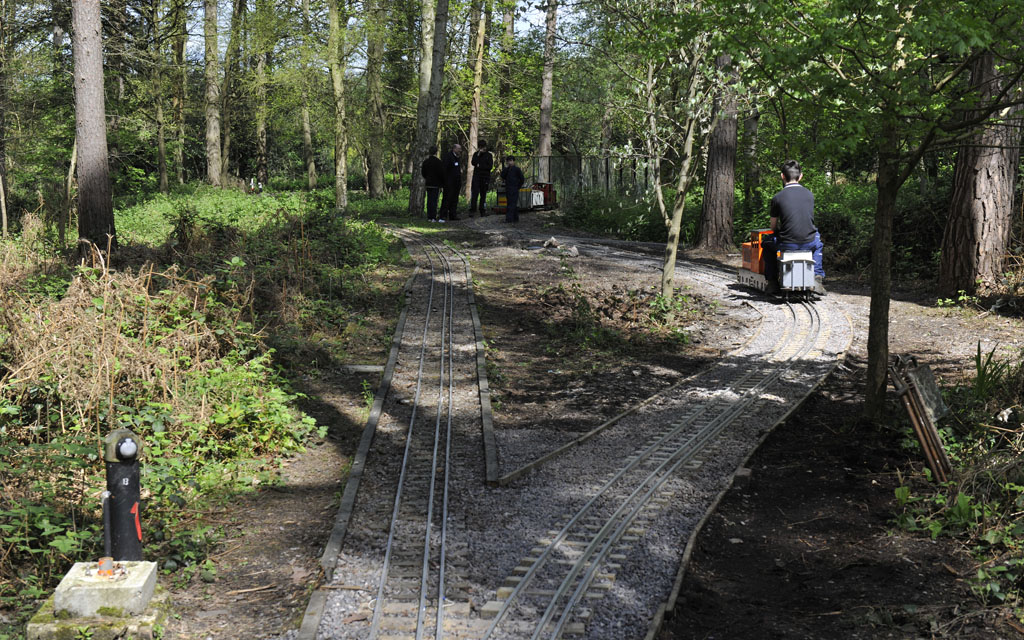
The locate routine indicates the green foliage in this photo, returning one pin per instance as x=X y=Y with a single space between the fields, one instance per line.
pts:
x=172 y=353
x=628 y=217
x=990 y=374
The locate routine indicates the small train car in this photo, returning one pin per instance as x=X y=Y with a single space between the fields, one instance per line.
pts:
x=796 y=268
x=541 y=196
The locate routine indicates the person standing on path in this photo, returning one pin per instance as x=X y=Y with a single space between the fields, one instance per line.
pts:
x=792 y=221
x=483 y=163
x=513 y=178
x=452 y=179
x=433 y=176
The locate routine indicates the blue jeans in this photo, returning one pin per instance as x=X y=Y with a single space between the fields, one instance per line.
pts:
x=771 y=247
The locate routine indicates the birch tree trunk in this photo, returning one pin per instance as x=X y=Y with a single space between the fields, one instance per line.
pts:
x=179 y=28
x=546 y=93
x=888 y=184
x=307 y=127
x=4 y=38
x=434 y=25
x=335 y=59
x=977 y=233
x=262 y=172
x=479 y=21
x=376 y=30
x=158 y=97
x=231 y=65
x=95 y=206
x=213 y=157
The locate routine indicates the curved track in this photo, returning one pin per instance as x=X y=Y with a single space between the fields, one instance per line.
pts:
x=587 y=547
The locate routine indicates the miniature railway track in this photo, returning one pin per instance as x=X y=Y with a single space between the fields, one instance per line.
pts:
x=562 y=572
x=570 y=539
x=414 y=580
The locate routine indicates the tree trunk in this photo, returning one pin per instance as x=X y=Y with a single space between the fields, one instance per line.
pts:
x=65 y=217
x=479 y=21
x=546 y=94
x=307 y=127
x=231 y=65
x=888 y=184
x=751 y=171
x=336 y=60
x=434 y=24
x=158 y=98
x=977 y=233
x=715 y=230
x=4 y=38
x=95 y=206
x=180 y=37
x=213 y=157
x=262 y=172
x=376 y=32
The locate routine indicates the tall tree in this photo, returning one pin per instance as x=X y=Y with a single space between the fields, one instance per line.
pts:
x=974 y=243
x=376 y=33
x=231 y=70
x=336 y=60
x=213 y=149
x=265 y=38
x=478 y=21
x=547 y=93
x=4 y=28
x=95 y=205
x=179 y=37
x=434 y=31
x=714 y=230
x=157 y=62
x=307 y=126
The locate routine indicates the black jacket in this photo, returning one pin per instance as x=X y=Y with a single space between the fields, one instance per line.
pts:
x=483 y=163
x=452 y=169
x=433 y=172
x=513 y=177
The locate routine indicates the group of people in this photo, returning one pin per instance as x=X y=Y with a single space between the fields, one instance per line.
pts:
x=443 y=177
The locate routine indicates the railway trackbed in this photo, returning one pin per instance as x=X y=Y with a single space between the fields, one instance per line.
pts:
x=586 y=545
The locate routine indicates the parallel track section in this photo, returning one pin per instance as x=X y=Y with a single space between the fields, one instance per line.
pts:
x=547 y=598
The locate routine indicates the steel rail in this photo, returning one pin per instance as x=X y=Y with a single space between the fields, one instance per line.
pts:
x=659 y=444
x=378 y=607
x=814 y=318
x=445 y=323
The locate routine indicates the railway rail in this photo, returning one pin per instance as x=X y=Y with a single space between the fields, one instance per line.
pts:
x=572 y=549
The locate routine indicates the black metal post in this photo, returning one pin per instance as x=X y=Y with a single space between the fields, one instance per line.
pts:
x=121 y=454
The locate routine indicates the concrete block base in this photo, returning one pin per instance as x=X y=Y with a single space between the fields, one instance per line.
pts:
x=48 y=624
x=83 y=592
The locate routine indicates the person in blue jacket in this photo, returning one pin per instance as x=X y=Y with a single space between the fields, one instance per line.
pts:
x=513 y=178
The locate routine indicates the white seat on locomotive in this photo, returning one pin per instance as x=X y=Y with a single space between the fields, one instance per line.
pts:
x=796 y=270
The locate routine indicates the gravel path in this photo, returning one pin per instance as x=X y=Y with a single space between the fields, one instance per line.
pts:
x=492 y=529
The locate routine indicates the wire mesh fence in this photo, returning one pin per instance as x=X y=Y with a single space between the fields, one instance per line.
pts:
x=574 y=176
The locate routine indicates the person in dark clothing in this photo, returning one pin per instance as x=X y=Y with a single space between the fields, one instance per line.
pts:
x=513 y=178
x=483 y=163
x=433 y=176
x=452 y=179
x=792 y=219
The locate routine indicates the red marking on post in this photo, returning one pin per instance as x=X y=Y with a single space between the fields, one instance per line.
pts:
x=138 y=525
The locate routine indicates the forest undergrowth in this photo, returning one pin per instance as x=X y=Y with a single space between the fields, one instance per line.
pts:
x=184 y=338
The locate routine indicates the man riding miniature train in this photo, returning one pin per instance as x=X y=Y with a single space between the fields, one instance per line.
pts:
x=792 y=221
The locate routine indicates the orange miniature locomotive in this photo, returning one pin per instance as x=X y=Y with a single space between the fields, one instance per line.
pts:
x=796 y=268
